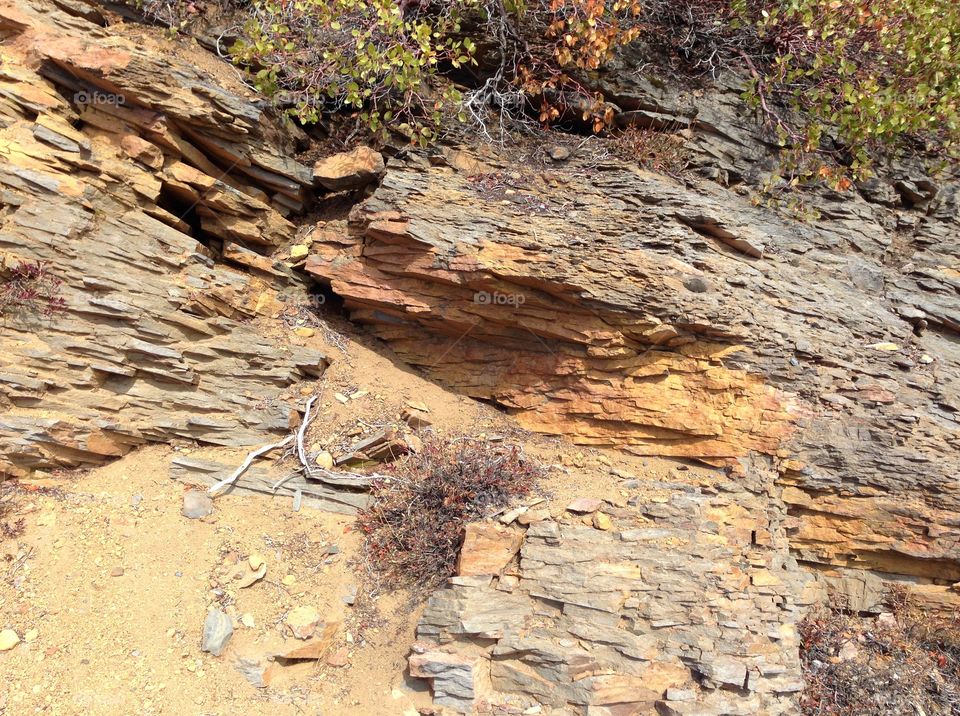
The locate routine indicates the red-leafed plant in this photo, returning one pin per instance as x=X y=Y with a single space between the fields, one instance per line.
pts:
x=31 y=289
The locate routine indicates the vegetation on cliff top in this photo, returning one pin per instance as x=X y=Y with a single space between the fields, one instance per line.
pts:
x=849 y=80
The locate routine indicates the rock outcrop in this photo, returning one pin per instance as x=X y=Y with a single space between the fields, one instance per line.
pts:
x=151 y=192
x=623 y=308
x=688 y=605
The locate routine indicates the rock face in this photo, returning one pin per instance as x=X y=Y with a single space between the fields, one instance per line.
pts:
x=690 y=605
x=150 y=191
x=622 y=308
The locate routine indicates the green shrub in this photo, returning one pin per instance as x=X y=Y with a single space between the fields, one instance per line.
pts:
x=849 y=80
x=870 y=72
x=366 y=55
x=839 y=80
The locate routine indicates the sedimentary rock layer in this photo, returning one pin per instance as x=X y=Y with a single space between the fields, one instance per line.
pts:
x=127 y=172
x=623 y=308
x=687 y=604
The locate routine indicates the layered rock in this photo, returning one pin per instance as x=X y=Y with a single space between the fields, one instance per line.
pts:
x=623 y=308
x=688 y=605
x=151 y=192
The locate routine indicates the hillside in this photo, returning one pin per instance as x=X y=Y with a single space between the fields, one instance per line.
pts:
x=742 y=416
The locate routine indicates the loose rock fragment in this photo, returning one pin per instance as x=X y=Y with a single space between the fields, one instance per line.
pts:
x=196 y=504
x=349 y=170
x=8 y=639
x=217 y=630
x=584 y=505
x=302 y=621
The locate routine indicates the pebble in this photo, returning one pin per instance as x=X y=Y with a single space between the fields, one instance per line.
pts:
x=116 y=572
x=303 y=621
x=325 y=461
x=602 y=521
x=217 y=630
x=351 y=596
x=196 y=504
x=31 y=635
x=8 y=639
x=584 y=504
x=255 y=561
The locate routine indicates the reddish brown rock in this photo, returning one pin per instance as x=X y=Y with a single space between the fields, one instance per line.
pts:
x=487 y=549
x=349 y=170
x=125 y=170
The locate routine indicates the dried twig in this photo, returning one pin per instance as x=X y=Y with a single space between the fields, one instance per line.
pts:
x=254 y=454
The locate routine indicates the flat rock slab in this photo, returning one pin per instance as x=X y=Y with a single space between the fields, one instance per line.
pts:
x=261 y=480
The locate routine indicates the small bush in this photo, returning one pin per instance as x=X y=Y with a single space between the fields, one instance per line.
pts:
x=30 y=289
x=415 y=525
x=850 y=80
x=904 y=665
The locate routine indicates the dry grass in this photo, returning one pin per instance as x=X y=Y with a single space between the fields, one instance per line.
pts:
x=906 y=662
x=414 y=528
x=11 y=526
x=658 y=151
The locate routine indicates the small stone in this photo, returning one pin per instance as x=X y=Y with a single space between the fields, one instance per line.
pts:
x=299 y=251
x=341 y=398
x=217 y=630
x=848 y=652
x=289 y=580
x=602 y=521
x=255 y=560
x=247 y=620
x=196 y=504
x=302 y=621
x=925 y=359
x=508 y=517
x=558 y=153
x=681 y=695
x=338 y=658
x=116 y=572
x=350 y=597
x=304 y=331
x=31 y=635
x=584 y=505
x=8 y=639
x=532 y=517
x=255 y=669
x=324 y=461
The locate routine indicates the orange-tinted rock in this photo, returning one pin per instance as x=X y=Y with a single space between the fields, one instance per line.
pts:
x=349 y=170
x=487 y=549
